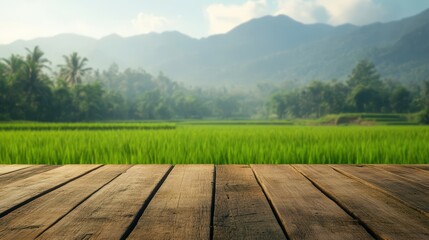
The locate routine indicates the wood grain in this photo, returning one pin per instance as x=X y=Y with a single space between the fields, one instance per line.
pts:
x=181 y=209
x=384 y=216
x=424 y=167
x=416 y=176
x=6 y=169
x=33 y=218
x=109 y=212
x=24 y=173
x=241 y=208
x=21 y=191
x=305 y=212
x=413 y=195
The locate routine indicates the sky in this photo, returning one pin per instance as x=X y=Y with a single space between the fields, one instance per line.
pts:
x=28 y=19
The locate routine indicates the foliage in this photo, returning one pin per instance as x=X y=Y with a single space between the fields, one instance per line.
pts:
x=424 y=117
x=364 y=74
x=29 y=92
x=76 y=94
x=363 y=92
x=74 y=69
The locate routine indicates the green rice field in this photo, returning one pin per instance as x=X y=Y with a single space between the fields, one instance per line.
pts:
x=84 y=126
x=134 y=143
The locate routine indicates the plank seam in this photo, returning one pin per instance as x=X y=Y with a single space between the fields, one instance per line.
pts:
x=6 y=212
x=381 y=190
x=345 y=209
x=25 y=173
x=271 y=204
x=79 y=203
x=2 y=174
x=399 y=176
x=420 y=169
x=139 y=214
x=212 y=207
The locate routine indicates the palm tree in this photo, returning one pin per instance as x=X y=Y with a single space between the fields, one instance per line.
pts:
x=35 y=63
x=74 y=69
x=36 y=84
x=13 y=65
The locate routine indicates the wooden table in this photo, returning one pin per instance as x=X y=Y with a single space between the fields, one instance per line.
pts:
x=214 y=202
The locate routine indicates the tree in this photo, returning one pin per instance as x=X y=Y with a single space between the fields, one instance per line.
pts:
x=366 y=99
x=88 y=102
x=278 y=103
x=62 y=104
x=29 y=87
x=14 y=80
x=336 y=95
x=400 y=99
x=13 y=66
x=35 y=63
x=424 y=117
x=364 y=74
x=74 y=69
x=4 y=90
x=36 y=85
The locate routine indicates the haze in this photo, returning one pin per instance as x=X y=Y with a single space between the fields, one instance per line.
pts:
x=25 y=19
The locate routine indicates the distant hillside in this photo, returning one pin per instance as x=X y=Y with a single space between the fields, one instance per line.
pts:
x=268 y=49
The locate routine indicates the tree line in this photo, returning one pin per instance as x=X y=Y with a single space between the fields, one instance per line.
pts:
x=30 y=90
x=363 y=92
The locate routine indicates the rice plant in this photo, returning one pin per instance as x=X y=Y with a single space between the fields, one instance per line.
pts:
x=189 y=144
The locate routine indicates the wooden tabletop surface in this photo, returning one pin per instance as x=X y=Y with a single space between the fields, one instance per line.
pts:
x=214 y=202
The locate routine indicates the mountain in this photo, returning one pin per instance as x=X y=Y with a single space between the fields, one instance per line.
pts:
x=268 y=49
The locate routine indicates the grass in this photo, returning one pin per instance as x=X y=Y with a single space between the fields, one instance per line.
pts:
x=34 y=126
x=219 y=144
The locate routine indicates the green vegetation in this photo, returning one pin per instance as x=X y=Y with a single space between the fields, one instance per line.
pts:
x=220 y=144
x=363 y=92
x=31 y=91
x=34 y=126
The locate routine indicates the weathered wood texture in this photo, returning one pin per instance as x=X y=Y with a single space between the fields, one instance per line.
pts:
x=414 y=175
x=14 y=194
x=214 y=202
x=413 y=195
x=241 y=208
x=37 y=216
x=109 y=212
x=424 y=167
x=181 y=209
x=385 y=216
x=24 y=173
x=6 y=169
x=305 y=212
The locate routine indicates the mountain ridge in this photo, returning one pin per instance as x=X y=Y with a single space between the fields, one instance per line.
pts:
x=268 y=49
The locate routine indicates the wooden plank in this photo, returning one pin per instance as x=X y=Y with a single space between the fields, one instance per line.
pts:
x=384 y=216
x=424 y=167
x=181 y=209
x=414 y=195
x=35 y=217
x=305 y=212
x=20 y=192
x=241 y=208
x=6 y=169
x=24 y=173
x=109 y=212
x=409 y=173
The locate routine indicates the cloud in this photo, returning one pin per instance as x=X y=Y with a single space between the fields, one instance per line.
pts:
x=354 y=11
x=145 y=23
x=334 y=12
x=222 y=17
x=303 y=11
